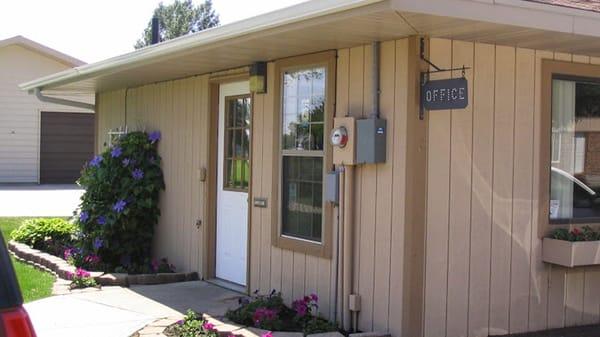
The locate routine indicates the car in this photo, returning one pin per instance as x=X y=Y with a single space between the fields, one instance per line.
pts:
x=14 y=320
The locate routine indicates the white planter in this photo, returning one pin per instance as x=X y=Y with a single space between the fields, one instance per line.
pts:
x=571 y=254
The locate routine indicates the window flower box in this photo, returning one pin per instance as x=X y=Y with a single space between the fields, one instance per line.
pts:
x=571 y=253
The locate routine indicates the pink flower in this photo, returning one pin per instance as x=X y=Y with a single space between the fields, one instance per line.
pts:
x=208 y=326
x=314 y=297
x=69 y=275
x=267 y=334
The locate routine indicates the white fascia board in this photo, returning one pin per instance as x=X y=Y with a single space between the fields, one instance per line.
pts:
x=252 y=26
x=509 y=12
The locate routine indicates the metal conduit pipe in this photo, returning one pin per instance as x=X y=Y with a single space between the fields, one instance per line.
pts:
x=348 y=242
x=375 y=65
x=61 y=101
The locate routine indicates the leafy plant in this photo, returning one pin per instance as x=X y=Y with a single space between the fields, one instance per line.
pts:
x=119 y=208
x=47 y=234
x=194 y=325
x=269 y=312
x=81 y=279
x=586 y=233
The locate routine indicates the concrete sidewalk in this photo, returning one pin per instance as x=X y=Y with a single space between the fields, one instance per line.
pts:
x=39 y=200
x=119 y=312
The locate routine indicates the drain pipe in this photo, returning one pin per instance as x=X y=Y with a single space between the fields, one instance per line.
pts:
x=375 y=66
x=62 y=101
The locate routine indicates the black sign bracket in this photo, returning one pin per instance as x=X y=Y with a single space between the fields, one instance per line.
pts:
x=425 y=75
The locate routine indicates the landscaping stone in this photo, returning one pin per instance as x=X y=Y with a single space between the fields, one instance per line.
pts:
x=62 y=269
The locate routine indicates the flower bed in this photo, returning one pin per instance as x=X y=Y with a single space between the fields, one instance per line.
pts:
x=572 y=248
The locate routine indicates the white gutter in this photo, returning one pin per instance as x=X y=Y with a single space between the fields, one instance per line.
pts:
x=62 y=101
x=301 y=12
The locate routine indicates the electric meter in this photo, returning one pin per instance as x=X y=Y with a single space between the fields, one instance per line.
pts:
x=339 y=137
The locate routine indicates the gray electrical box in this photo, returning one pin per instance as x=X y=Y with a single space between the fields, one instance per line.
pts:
x=332 y=187
x=370 y=140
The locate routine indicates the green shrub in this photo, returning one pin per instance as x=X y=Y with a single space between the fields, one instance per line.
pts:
x=47 y=234
x=119 y=208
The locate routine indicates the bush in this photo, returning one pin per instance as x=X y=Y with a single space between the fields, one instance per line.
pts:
x=268 y=312
x=81 y=279
x=119 y=208
x=48 y=234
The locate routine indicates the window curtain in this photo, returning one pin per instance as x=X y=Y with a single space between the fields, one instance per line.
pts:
x=563 y=123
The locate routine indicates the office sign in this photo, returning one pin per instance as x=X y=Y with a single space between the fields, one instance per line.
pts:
x=445 y=94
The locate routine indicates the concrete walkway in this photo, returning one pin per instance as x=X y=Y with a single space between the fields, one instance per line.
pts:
x=119 y=312
x=39 y=200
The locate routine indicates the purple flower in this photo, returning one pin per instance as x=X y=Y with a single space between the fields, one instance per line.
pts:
x=155 y=265
x=84 y=216
x=154 y=137
x=95 y=162
x=314 y=297
x=116 y=152
x=101 y=220
x=138 y=174
x=119 y=206
x=126 y=162
x=301 y=307
x=98 y=243
x=180 y=322
x=67 y=253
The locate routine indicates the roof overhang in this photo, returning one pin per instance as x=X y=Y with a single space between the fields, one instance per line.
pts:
x=332 y=24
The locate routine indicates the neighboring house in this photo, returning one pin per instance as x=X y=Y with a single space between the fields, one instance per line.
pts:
x=39 y=142
x=444 y=238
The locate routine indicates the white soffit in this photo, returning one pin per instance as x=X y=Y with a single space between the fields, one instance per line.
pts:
x=332 y=24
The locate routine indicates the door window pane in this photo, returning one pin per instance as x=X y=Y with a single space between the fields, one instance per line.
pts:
x=237 y=143
x=575 y=170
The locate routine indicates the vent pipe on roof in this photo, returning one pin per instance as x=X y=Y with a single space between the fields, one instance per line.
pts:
x=155 y=30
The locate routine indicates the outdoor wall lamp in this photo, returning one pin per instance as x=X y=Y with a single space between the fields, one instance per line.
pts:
x=258 y=77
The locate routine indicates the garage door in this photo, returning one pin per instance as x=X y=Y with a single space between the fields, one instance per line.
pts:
x=66 y=143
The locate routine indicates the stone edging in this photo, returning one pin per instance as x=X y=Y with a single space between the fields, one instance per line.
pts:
x=226 y=328
x=62 y=269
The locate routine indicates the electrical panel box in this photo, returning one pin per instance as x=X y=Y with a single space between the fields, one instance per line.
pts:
x=332 y=187
x=345 y=155
x=371 y=141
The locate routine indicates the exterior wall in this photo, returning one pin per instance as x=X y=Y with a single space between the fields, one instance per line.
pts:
x=179 y=109
x=482 y=248
x=484 y=272
x=20 y=112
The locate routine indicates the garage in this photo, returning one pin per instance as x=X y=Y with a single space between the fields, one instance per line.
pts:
x=66 y=143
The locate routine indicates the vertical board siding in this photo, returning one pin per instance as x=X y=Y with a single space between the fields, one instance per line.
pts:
x=483 y=271
x=483 y=204
x=179 y=109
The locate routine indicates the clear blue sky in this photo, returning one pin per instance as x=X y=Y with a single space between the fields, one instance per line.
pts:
x=93 y=30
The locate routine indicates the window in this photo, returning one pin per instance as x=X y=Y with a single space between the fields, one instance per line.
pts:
x=575 y=169
x=237 y=143
x=302 y=139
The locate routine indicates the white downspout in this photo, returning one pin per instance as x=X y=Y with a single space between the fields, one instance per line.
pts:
x=62 y=101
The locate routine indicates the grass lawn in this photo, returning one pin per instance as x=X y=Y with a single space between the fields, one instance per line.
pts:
x=35 y=284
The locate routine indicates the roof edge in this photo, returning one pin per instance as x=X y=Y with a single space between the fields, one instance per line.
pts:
x=289 y=15
x=42 y=49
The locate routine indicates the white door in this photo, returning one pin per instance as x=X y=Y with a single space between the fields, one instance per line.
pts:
x=233 y=178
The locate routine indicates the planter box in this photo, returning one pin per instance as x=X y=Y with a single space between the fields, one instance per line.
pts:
x=571 y=254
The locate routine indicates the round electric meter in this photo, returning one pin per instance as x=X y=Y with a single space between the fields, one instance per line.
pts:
x=339 y=137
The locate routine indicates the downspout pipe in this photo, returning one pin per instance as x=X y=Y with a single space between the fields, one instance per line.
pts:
x=375 y=76
x=62 y=101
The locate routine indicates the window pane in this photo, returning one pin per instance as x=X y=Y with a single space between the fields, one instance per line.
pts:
x=302 y=197
x=316 y=137
x=230 y=113
x=575 y=172
x=303 y=104
x=229 y=140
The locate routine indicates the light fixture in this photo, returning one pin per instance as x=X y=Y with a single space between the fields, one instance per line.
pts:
x=258 y=77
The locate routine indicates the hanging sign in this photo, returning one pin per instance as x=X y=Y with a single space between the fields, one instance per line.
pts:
x=445 y=94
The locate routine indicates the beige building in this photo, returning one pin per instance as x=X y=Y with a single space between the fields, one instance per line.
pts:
x=30 y=130
x=443 y=236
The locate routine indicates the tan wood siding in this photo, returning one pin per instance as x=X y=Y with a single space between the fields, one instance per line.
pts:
x=483 y=260
x=179 y=109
